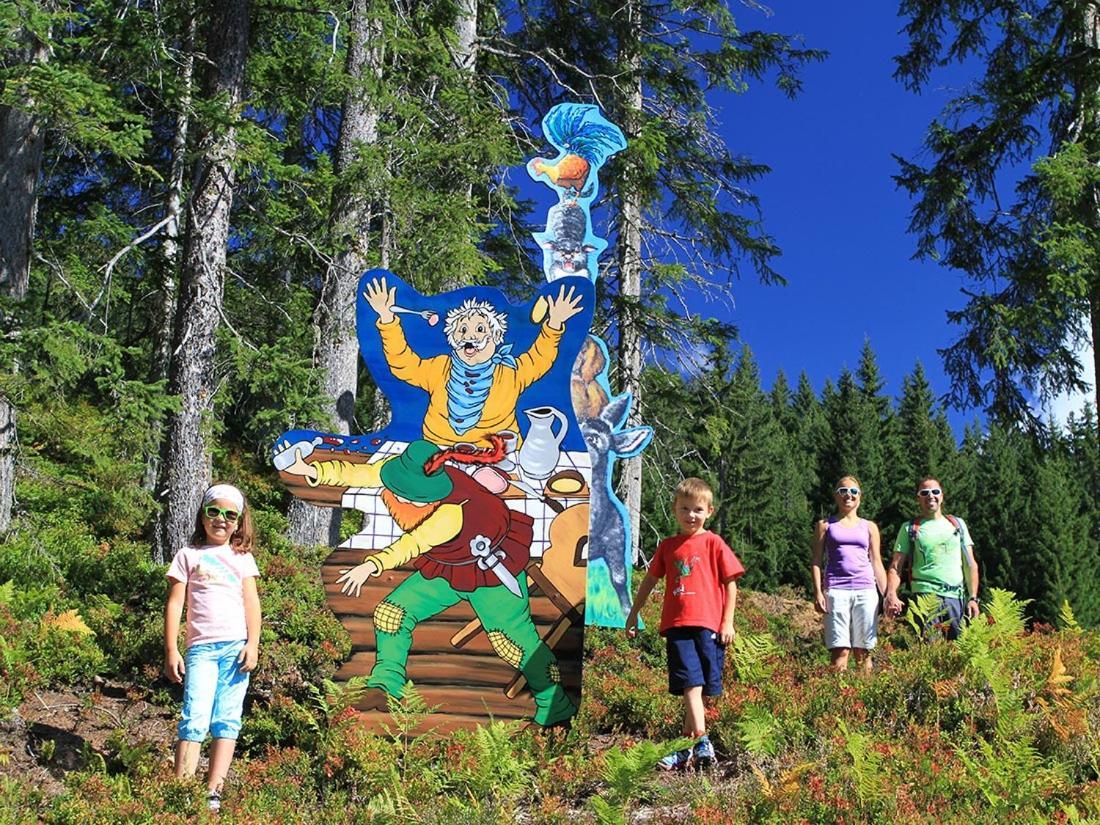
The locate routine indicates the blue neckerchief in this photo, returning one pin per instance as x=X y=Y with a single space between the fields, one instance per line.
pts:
x=468 y=387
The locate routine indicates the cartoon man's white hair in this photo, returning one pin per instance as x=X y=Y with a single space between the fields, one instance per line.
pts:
x=498 y=321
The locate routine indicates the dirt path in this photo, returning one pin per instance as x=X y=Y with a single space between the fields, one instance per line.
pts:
x=56 y=732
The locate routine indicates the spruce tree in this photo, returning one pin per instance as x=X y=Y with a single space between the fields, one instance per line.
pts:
x=749 y=449
x=1083 y=454
x=857 y=446
x=919 y=445
x=1004 y=469
x=809 y=438
x=800 y=418
x=1031 y=248
x=1060 y=563
x=878 y=423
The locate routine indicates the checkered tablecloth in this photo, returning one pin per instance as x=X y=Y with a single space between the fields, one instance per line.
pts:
x=380 y=530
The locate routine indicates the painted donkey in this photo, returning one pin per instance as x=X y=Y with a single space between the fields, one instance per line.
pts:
x=607 y=441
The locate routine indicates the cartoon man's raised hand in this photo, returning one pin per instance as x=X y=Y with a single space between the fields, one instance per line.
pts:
x=562 y=308
x=381 y=299
x=300 y=467
x=352 y=579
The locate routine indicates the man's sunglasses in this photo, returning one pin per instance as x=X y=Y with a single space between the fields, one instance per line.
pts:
x=212 y=512
x=934 y=491
x=852 y=491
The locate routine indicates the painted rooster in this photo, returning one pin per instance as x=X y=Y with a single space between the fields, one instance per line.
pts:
x=586 y=141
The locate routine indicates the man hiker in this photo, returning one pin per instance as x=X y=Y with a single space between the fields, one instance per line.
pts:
x=940 y=552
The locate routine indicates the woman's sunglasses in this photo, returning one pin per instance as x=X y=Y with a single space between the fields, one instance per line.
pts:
x=852 y=491
x=934 y=491
x=212 y=512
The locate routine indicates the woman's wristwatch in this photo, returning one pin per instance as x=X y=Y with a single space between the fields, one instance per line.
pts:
x=974 y=599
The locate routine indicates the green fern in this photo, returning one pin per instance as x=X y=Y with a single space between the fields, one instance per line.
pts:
x=758 y=731
x=988 y=646
x=1007 y=614
x=628 y=775
x=1066 y=620
x=924 y=612
x=391 y=804
x=1012 y=773
x=408 y=713
x=750 y=654
x=333 y=698
x=328 y=702
x=866 y=766
x=499 y=771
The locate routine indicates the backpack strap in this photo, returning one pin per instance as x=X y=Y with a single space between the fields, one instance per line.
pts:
x=914 y=531
x=964 y=554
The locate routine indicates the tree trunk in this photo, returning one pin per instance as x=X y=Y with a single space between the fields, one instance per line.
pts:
x=1094 y=313
x=630 y=282
x=466 y=35
x=1091 y=37
x=337 y=349
x=186 y=468
x=173 y=209
x=7 y=462
x=21 y=145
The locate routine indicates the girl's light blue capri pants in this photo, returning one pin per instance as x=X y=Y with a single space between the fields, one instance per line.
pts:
x=213 y=691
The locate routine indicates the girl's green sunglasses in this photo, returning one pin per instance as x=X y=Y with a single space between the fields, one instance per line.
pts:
x=212 y=512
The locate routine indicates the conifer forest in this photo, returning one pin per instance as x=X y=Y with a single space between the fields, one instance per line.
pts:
x=189 y=193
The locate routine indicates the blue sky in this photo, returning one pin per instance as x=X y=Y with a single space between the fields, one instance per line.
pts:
x=833 y=208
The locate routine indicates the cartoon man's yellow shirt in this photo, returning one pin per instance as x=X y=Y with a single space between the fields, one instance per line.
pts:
x=438 y=528
x=432 y=374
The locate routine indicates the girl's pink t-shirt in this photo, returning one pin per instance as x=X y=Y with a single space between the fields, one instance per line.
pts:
x=215 y=591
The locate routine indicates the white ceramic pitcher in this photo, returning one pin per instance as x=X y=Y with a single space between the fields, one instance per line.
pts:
x=539 y=453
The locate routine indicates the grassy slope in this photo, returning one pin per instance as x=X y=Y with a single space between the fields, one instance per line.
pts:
x=1001 y=728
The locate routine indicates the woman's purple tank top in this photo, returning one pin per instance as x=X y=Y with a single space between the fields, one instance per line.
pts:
x=848 y=566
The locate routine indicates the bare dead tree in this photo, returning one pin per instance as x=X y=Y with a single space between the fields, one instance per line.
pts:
x=22 y=140
x=185 y=470
x=336 y=352
x=630 y=279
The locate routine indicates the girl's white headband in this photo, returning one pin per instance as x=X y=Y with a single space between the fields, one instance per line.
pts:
x=226 y=492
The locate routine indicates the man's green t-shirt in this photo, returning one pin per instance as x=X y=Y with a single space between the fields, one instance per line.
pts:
x=938 y=565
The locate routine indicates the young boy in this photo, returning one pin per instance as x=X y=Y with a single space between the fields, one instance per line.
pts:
x=700 y=573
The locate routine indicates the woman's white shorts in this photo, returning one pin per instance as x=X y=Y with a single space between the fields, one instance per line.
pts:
x=851 y=618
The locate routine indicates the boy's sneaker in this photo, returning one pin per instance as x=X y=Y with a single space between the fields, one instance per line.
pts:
x=675 y=761
x=214 y=802
x=703 y=754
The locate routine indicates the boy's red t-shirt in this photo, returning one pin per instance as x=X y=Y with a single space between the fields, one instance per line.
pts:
x=694 y=569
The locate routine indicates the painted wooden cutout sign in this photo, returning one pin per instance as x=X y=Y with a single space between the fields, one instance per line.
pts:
x=465 y=578
x=585 y=140
x=468 y=578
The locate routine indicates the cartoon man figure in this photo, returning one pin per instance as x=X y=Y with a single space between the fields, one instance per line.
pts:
x=473 y=391
x=466 y=545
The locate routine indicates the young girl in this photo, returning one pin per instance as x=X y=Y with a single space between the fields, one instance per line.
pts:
x=853 y=581
x=216 y=575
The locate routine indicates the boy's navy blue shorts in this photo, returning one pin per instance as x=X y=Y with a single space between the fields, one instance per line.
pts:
x=695 y=657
